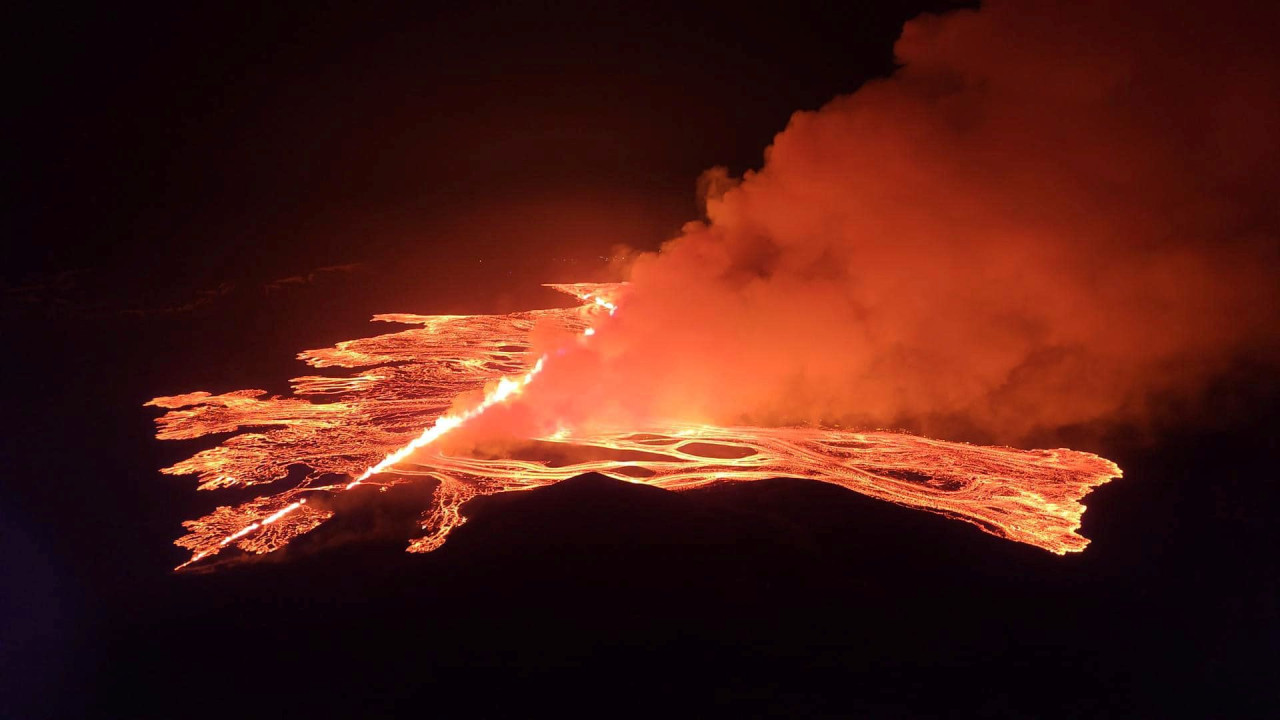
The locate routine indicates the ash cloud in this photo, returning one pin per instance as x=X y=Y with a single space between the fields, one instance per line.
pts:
x=1050 y=214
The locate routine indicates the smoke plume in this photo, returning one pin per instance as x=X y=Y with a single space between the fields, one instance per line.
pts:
x=1050 y=214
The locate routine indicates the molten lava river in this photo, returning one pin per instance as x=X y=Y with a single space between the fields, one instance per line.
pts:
x=377 y=425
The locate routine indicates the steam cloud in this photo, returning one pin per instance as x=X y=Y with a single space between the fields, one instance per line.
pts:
x=1051 y=213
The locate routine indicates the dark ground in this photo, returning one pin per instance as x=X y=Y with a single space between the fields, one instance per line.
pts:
x=173 y=167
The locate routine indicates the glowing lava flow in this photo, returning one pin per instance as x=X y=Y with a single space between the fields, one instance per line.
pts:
x=371 y=425
x=506 y=388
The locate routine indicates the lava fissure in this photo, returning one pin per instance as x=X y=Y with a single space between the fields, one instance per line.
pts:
x=368 y=428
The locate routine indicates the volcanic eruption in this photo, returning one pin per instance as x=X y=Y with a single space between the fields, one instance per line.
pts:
x=991 y=243
x=415 y=375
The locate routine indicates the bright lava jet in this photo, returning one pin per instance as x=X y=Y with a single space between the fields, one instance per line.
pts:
x=367 y=428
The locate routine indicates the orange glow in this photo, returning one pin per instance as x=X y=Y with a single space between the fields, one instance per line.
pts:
x=368 y=430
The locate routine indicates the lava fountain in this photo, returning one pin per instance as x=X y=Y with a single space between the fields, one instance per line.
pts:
x=367 y=428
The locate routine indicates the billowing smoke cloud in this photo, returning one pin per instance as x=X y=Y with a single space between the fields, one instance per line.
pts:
x=1050 y=214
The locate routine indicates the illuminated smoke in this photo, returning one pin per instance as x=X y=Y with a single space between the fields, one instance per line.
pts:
x=1053 y=213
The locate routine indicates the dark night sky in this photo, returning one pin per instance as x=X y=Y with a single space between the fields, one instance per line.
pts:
x=283 y=139
x=166 y=164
